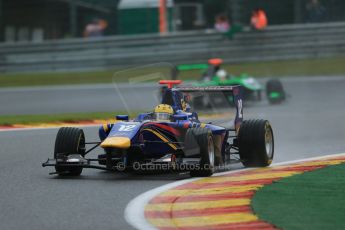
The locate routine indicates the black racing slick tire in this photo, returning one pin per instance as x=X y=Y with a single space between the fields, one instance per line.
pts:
x=256 y=143
x=199 y=141
x=275 y=91
x=69 y=141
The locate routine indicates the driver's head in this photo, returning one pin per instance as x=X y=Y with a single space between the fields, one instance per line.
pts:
x=222 y=74
x=163 y=112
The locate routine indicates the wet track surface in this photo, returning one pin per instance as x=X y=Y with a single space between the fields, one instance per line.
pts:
x=74 y=99
x=311 y=123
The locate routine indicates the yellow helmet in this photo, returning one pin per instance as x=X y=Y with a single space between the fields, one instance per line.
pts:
x=163 y=112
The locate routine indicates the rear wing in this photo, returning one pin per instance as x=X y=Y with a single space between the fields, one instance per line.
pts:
x=209 y=89
x=235 y=91
x=187 y=67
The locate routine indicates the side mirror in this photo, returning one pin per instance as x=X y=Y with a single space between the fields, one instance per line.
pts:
x=122 y=117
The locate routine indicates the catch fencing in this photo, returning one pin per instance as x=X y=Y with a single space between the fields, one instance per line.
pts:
x=275 y=43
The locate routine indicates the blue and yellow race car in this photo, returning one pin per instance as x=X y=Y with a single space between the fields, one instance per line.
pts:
x=170 y=138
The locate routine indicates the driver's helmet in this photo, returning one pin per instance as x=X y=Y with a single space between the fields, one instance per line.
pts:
x=222 y=74
x=163 y=112
x=215 y=61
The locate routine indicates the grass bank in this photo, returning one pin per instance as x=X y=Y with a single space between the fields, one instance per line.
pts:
x=51 y=118
x=311 y=67
x=313 y=200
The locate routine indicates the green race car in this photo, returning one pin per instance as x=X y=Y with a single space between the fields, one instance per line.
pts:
x=214 y=75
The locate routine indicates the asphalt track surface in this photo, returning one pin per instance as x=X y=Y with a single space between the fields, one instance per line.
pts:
x=75 y=99
x=311 y=123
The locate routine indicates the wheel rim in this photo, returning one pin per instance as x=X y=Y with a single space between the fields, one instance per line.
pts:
x=211 y=152
x=81 y=145
x=269 y=141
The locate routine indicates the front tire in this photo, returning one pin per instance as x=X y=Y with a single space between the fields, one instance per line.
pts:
x=256 y=143
x=69 y=141
x=200 y=141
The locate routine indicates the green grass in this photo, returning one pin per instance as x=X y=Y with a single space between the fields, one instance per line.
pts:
x=48 y=118
x=314 y=200
x=311 y=67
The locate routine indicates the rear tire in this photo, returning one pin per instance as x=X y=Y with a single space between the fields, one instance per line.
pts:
x=69 y=141
x=199 y=141
x=256 y=143
x=275 y=91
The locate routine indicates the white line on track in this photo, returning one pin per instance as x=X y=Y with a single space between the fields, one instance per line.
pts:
x=134 y=212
